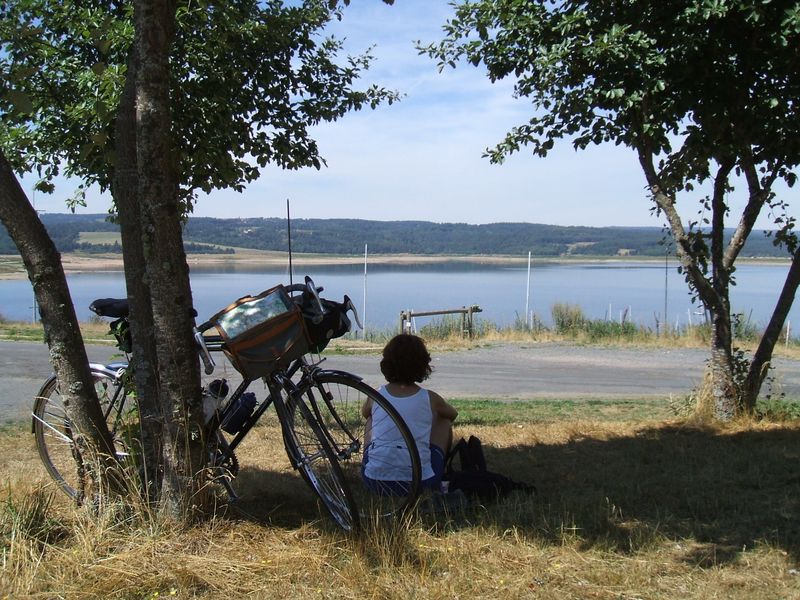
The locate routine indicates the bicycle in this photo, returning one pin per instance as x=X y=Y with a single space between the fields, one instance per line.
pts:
x=319 y=411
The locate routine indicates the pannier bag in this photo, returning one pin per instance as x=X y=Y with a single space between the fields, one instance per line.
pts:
x=334 y=323
x=473 y=479
x=262 y=333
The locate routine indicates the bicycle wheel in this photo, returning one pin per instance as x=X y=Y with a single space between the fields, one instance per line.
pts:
x=53 y=432
x=336 y=400
x=311 y=454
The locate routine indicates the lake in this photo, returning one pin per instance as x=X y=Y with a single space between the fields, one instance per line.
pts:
x=603 y=290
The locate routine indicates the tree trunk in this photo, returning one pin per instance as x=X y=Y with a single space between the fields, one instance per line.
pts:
x=763 y=355
x=724 y=394
x=167 y=270
x=723 y=384
x=61 y=331
x=143 y=356
x=713 y=293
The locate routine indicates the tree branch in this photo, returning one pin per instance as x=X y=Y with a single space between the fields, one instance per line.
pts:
x=721 y=274
x=666 y=203
x=758 y=197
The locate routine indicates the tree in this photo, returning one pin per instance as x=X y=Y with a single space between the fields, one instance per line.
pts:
x=61 y=330
x=704 y=92
x=87 y=88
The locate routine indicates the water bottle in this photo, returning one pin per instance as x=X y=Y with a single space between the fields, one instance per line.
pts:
x=239 y=412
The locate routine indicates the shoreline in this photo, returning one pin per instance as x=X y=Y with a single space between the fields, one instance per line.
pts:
x=11 y=266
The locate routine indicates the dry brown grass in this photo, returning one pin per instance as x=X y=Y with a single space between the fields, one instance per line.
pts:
x=625 y=510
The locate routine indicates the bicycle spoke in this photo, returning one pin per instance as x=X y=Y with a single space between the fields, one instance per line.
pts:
x=53 y=432
x=311 y=454
x=336 y=401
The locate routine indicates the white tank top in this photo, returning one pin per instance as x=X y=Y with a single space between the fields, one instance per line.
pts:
x=388 y=458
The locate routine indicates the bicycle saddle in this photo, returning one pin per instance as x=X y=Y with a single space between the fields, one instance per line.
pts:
x=114 y=307
x=110 y=307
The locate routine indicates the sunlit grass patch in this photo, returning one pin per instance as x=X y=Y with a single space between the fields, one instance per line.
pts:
x=496 y=412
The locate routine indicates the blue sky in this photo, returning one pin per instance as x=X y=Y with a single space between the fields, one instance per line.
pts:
x=420 y=159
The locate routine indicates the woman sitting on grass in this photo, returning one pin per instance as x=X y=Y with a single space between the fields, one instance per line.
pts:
x=406 y=363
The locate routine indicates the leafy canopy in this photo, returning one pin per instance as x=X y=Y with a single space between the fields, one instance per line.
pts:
x=249 y=78
x=686 y=80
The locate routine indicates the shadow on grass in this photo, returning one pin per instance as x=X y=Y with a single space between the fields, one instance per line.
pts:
x=280 y=499
x=722 y=492
x=713 y=494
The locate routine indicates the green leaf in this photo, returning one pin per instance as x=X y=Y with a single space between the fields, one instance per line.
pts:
x=21 y=101
x=99 y=68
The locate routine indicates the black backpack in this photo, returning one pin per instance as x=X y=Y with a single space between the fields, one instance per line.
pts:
x=474 y=480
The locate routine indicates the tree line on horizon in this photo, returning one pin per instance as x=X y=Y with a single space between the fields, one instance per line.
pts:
x=204 y=235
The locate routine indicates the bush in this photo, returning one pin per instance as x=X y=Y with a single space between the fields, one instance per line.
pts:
x=567 y=318
x=451 y=326
x=610 y=329
x=743 y=328
x=535 y=325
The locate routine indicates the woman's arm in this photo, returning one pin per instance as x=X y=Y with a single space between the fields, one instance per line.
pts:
x=366 y=408
x=441 y=408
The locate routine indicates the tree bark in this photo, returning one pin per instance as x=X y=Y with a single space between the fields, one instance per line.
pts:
x=143 y=356
x=61 y=331
x=166 y=268
x=763 y=355
x=723 y=385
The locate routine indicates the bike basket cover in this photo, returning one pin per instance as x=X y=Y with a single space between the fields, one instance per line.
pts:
x=262 y=333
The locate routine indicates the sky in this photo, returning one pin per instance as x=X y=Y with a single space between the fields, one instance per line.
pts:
x=421 y=158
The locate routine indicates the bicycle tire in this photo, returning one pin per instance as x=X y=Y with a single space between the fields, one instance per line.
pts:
x=335 y=399
x=53 y=432
x=311 y=454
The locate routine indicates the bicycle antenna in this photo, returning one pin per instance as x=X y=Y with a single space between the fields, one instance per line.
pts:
x=289 y=235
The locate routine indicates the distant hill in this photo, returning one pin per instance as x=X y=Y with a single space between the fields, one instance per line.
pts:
x=348 y=236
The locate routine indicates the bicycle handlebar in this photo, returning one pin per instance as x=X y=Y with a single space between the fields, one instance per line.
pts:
x=317 y=300
x=205 y=355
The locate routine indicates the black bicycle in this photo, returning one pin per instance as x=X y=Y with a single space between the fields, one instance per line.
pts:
x=322 y=425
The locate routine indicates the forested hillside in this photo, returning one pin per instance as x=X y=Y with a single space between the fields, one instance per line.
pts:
x=348 y=236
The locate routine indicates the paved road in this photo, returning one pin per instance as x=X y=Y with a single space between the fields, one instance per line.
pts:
x=508 y=371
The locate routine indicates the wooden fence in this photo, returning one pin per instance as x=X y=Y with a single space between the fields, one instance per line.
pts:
x=466 y=313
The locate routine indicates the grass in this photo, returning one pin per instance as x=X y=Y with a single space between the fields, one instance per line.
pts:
x=496 y=412
x=631 y=504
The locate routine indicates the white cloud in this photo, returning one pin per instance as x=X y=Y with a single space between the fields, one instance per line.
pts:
x=421 y=158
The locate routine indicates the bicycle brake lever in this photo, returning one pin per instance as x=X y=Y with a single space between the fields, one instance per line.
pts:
x=348 y=303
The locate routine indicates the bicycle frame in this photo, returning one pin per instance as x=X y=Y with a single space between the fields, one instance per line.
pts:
x=315 y=415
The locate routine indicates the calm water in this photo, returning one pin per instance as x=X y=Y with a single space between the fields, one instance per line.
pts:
x=602 y=290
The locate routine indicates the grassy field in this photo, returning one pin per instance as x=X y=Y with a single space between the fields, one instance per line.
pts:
x=630 y=505
x=99 y=237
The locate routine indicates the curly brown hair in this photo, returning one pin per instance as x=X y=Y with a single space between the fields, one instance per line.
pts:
x=406 y=360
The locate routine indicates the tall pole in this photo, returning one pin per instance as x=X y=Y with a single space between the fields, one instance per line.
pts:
x=33 y=306
x=528 y=291
x=289 y=235
x=666 y=280
x=364 y=305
